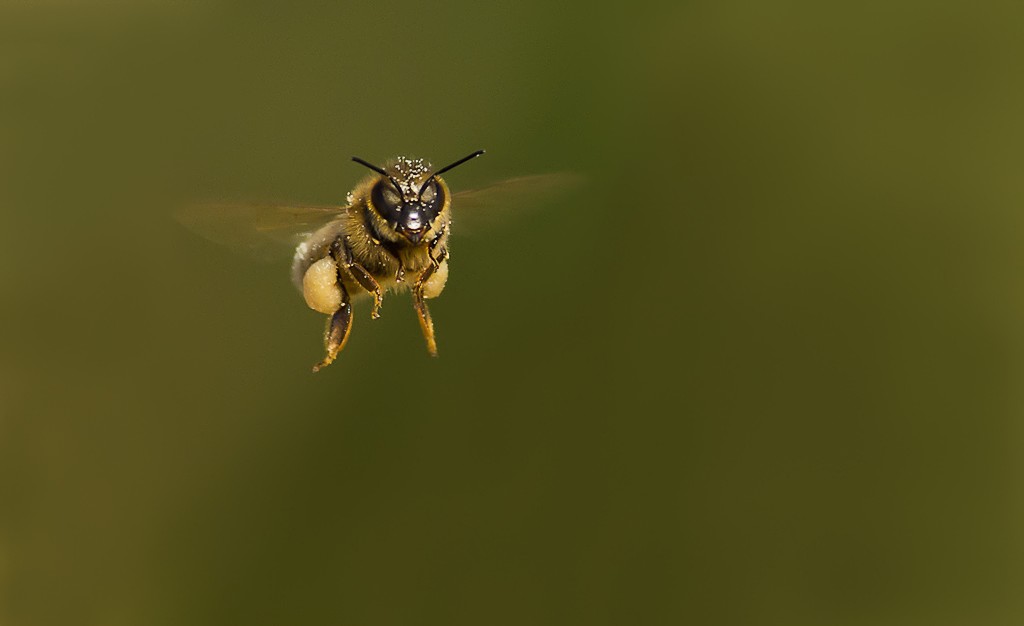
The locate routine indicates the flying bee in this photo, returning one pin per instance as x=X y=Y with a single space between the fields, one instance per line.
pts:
x=396 y=223
x=392 y=234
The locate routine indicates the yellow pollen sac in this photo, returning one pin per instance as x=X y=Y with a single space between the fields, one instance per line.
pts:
x=320 y=286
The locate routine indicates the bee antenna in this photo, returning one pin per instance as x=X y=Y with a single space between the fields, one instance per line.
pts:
x=382 y=172
x=446 y=168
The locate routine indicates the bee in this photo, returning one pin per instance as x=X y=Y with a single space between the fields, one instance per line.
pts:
x=392 y=234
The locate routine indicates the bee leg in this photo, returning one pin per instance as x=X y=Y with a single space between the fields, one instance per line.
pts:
x=338 y=327
x=400 y=274
x=426 y=324
x=343 y=255
x=427 y=273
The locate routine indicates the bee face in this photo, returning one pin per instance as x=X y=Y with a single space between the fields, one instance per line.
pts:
x=409 y=199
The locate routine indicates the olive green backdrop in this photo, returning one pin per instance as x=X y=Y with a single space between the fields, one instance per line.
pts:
x=764 y=367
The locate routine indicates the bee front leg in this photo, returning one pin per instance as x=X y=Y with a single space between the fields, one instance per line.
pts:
x=342 y=253
x=419 y=302
x=339 y=325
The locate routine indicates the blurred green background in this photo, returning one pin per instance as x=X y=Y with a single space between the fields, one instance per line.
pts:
x=765 y=367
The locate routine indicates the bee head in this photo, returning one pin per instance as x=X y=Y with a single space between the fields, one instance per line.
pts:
x=409 y=196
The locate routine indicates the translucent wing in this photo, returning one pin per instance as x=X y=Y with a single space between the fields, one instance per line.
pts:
x=264 y=231
x=483 y=208
x=272 y=232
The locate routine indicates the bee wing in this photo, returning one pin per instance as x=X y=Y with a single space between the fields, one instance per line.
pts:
x=264 y=231
x=482 y=208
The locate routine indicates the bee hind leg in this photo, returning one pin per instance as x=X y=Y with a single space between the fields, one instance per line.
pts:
x=338 y=327
x=426 y=324
x=419 y=302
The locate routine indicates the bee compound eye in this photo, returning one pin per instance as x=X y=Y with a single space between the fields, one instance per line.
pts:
x=429 y=192
x=390 y=195
x=386 y=200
